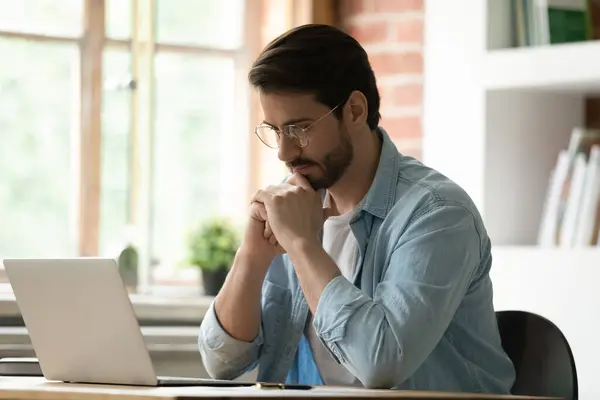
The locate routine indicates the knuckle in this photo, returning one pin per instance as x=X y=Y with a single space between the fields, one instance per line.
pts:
x=279 y=199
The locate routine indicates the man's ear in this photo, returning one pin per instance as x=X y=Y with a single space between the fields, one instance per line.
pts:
x=358 y=108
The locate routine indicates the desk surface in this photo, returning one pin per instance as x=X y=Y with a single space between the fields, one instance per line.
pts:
x=40 y=389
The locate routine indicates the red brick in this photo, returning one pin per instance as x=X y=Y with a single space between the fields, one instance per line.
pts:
x=402 y=127
x=410 y=31
x=407 y=95
x=393 y=63
x=367 y=33
x=349 y=8
x=397 y=5
x=386 y=93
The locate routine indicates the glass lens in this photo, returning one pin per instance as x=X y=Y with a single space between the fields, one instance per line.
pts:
x=297 y=135
x=268 y=136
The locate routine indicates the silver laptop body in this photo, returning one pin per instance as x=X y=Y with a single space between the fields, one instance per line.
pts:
x=82 y=324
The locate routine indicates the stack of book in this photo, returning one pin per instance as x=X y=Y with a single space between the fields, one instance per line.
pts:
x=543 y=22
x=571 y=213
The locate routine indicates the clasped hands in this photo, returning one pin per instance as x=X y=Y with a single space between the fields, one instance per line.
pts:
x=294 y=213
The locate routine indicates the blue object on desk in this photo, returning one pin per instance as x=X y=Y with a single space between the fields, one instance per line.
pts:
x=304 y=370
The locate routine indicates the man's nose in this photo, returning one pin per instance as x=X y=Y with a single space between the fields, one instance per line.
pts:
x=288 y=150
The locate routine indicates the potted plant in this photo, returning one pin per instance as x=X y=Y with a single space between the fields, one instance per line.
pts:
x=128 y=259
x=128 y=267
x=212 y=249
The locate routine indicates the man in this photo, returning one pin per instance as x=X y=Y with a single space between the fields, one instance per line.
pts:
x=365 y=267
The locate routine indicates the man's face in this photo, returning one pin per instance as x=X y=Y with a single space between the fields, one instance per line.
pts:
x=329 y=150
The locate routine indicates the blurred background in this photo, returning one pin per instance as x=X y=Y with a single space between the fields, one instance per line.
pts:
x=131 y=121
x=126 y=131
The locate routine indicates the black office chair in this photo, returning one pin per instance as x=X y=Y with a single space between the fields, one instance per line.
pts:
x=541 y=354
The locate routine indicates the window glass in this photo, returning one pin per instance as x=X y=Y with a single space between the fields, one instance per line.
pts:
x=45 y=17
x=194 y=102
x=118 y=19
x=38 y=118
x=200 y=22
x=116 y=175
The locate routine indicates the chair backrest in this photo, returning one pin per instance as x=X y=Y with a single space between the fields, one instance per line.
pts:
x=540 y=353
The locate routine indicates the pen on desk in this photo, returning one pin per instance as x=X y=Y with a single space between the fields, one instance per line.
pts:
x=282 y=386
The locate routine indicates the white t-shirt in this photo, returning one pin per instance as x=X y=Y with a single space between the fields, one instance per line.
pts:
x=341 y=245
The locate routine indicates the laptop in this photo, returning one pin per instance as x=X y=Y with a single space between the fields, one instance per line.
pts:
x=82 y=324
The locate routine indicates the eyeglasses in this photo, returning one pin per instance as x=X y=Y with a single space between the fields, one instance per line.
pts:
x=271 y=136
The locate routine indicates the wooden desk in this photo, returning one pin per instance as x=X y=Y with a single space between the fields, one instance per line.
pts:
x=40 y=389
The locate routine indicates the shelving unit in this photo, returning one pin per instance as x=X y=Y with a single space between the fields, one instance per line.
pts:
x=495 y=119
x=565 y=68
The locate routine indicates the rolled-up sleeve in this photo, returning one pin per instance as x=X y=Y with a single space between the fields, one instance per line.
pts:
x=223 y=356
x=384 y=339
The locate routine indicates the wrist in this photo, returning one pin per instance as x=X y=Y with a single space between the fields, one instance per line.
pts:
x=254 y=259
x=305 y=246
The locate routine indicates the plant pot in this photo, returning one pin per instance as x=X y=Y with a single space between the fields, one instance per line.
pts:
x=213 y=280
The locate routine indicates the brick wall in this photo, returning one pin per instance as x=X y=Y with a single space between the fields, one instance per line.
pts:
x=391 y=32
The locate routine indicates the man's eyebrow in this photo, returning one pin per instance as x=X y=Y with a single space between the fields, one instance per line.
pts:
x=290 y=122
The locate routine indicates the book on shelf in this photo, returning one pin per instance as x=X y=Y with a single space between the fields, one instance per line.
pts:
x=544 y=22
x=571 y=212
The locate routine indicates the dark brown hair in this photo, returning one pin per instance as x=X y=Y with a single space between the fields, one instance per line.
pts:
x=318 y=59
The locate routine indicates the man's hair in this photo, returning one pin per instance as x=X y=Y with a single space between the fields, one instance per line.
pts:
x=321 y=60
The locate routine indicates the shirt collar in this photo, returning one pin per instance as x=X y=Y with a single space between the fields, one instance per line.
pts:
x=380 y=197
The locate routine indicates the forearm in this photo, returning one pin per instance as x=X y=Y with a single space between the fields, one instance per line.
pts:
x=230 y=336
x=368 y=348
x=314 y=268
x=358 y=331
x=238 y=305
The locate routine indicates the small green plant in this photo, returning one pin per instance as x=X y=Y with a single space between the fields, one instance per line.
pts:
x=213 y=245
x=128 y=261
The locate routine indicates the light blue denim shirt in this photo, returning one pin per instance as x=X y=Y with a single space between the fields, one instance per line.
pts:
x=418 y=313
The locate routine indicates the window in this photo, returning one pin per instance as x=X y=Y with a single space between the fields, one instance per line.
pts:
x=214 y=24
x=37 y=183
x=169 y=111
x=43 y=17
x=117 y=147
x=194 y=101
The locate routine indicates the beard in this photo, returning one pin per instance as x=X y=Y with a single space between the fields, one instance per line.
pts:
x=334 y=163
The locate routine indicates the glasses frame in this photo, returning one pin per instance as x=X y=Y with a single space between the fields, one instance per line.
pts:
x=286 y=129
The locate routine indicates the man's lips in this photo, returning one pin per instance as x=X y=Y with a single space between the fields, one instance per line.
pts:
x=302 y=168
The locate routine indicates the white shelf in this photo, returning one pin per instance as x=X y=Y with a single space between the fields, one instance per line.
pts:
x=534 y=256
x=564 y=68
x=495 y=119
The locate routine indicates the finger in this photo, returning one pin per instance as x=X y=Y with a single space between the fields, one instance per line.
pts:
x=268 y=231
x=297 y=179
x=273 y=240
x=269 y=235
x=258 y=211
x=260 y=196
x=265 y=195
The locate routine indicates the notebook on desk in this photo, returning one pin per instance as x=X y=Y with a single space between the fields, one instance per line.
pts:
x=82 y=324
